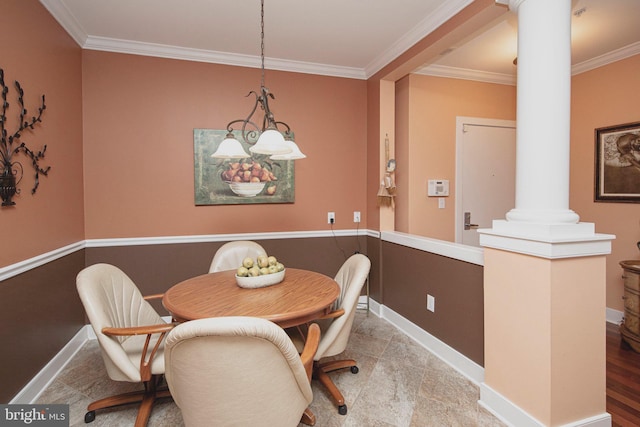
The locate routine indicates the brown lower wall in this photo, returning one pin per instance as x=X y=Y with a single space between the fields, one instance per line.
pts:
x=155 y=268
x=458 y=320
x=375 y=275
x=42 y=312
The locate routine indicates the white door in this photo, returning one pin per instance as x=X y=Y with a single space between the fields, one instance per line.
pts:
x=485 y=174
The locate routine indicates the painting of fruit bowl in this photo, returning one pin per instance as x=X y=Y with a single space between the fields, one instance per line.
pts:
x=246 y=189
x=248 y=180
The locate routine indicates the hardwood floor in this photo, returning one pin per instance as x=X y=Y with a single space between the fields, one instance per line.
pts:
x=623 y=380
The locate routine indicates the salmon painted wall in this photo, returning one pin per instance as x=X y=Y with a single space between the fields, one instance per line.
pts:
x=39 y=54
x=403 y=149
x=373 y=152
x=140 y=113
x=604 y=97
x=432 y=105
x=529 y=359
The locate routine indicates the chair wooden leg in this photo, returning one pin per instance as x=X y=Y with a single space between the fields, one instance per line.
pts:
x=308 y=418
x=144 y=411
x=335 y=394
x=146 y=398
x=320 y=373
x=120 y=399
x=335 y=365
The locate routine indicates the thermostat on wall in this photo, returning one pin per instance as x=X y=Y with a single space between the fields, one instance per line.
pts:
x=438 y=187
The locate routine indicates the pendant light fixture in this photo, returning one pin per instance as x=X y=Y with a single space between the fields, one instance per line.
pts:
x=265 y=139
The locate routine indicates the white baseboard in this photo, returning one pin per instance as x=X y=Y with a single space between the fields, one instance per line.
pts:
x=498 y=405
x=504 y=409
x=35 y=387
x=455 y=359
x=512 y=415
x=614 y=316
x=602 y=420
x=374 y=307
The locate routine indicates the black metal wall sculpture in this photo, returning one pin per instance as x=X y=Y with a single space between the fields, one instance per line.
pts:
x=11 y=171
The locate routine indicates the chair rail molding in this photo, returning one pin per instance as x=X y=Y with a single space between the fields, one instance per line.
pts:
x=29 y=264
x=39 y=260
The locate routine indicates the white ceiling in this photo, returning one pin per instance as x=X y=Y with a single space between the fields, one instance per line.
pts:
x=347 y=38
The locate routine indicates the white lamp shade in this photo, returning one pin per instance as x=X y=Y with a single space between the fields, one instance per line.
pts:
x=270 y=142
x=295 y=153
x=230 y=148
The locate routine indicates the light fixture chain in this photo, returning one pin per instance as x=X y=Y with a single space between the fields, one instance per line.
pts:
x=262 y=41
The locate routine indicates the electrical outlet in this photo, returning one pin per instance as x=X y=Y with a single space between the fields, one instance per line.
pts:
x=356 y=216
x=331 y=218
x=431 y=303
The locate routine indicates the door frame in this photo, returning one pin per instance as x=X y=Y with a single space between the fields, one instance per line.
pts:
x=460 y=122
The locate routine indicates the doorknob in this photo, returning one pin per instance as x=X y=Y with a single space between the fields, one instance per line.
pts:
x=467 y=221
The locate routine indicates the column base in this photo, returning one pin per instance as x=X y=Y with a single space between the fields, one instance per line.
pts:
x=546 y=240
x=549 y=216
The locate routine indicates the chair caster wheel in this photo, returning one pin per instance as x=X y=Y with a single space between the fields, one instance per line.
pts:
x=354 y=370
x=89 y=416
x=342 y=409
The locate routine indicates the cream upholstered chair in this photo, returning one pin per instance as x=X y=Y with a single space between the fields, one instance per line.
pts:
x=239 y=371
x=336 y=326
x=130 y=334
x=231 y=254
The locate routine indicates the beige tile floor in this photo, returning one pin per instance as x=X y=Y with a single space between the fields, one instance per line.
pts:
x=399 y=384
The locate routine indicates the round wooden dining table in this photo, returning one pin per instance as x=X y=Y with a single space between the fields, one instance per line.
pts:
x=301 y=297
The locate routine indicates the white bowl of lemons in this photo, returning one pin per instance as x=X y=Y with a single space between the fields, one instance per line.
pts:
x=263 y=271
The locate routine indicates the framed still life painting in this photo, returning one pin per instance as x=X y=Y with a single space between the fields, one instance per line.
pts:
x=618 y=163
x=252 y=180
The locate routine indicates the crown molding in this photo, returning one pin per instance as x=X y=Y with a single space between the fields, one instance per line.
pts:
x=448 y=9
x=607 y=58
x=467 y=74
x=505 y=79
x=201 y=55
x=314 y=68
x=444 y=12
x=71 y=25
x=59 y=11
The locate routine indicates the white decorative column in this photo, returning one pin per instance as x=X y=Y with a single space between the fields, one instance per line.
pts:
x=544 y=271
x=543 y=133
x=543 y=112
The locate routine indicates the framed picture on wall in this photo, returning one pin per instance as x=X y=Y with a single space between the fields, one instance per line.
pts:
x=253 y=180
x=618 y=163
